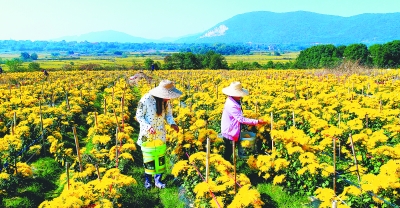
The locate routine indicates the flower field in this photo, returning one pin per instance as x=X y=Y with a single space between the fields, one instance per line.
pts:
x=334 y=137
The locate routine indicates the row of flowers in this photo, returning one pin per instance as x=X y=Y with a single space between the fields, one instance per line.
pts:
x=307 y=113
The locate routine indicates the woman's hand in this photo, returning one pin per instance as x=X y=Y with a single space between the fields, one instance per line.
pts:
x=175 y=127
x=261 y=121
x=152 y=130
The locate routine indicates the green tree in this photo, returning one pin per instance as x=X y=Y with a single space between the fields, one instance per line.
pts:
x=34 y=56
x=33 y=66
x=147 y=63
x=268 y=65
x=378 y=55
x=320 y=56
x=357 y=52
x=217 y=61
x=191 y=61
x=25 y=56
x=14 y=64
x=168 y=62
x=393 y=56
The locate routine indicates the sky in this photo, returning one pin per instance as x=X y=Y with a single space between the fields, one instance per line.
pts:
x=154 y=19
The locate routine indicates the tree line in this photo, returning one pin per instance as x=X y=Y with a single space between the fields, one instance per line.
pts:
x=320 y=56
x=329 y=56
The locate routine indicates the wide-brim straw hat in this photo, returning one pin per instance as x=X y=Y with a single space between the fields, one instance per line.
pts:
x=166 y=90
x=235 y=89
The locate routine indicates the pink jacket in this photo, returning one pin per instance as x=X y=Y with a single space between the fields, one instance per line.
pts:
x=232 y=117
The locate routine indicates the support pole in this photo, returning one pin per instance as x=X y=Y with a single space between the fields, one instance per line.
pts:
x=234 y=163
x=355 y=158
x=77 y=148
x=334 y=166
x=98 y=172
x=67 y=171
x=41 y=128
x=116 y=147
x=208 y=160
x=272 y=140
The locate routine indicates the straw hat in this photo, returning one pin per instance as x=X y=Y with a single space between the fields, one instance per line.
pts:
x=235 y=90
x=166 y=90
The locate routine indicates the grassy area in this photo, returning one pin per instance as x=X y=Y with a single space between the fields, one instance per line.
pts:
x=275 y=196
x=262 y=58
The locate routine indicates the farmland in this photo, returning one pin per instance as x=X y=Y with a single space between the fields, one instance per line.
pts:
x=331 y=136
x=48 y=62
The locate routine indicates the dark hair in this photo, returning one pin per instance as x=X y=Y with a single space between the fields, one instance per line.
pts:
x=159 y=105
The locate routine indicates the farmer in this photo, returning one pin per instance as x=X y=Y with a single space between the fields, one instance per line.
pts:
x=232 y=117
x=154 y=108
x=1 y=70
x=45 y=73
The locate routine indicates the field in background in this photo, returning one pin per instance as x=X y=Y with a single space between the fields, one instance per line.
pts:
x=136 y=59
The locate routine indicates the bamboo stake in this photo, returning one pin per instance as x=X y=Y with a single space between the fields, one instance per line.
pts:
x=216 y=90
x=116 y=119
x=67 y=171
x=294 y=122
x=66 y=100
x=98 y=172
x=208 y=160
x=105 y=106
x=116 y=147
x=95 y=120
x=77 y=148
x=41 y=127
x=13 y=124
x=234 y=162
x=122 y=113
x=272 y=140
x=112 y=96
x=334 y=166
x=355 y=159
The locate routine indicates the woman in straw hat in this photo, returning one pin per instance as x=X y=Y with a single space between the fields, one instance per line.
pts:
x=232 y=117
x=153 y=110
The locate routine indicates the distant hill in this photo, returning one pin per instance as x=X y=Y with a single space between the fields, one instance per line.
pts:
x=302 y=28
x=111 y=36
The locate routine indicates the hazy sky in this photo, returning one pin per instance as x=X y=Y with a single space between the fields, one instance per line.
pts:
x=153 y=19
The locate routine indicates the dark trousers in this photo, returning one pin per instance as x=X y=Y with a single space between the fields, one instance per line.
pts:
x=228 y=150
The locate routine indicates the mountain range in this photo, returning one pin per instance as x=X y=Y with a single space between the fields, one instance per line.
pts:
x=294 y=28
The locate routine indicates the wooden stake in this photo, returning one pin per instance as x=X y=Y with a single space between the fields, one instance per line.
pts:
x=234 y=162
x=334 y=166
x=41 y=128
x=116 y=147
x=272 y=140
x=105 y=106
x=112 y=96
x=122 y=113
x=355 y=158
x=66 y=100
x=116 y=119
x=216 y=90
x=98 y=172
x=67 y=171
x=77 y=148
x=95 y=120
x=208 y=160
x=294 y=122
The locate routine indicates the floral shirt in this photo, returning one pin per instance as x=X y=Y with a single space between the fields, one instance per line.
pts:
x=146 y=115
